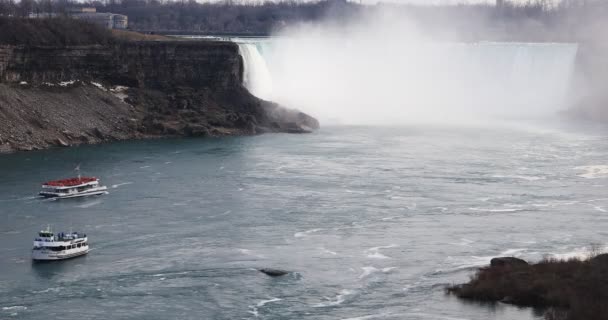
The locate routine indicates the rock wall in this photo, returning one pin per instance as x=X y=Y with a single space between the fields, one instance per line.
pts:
x=154 y=65
x=59 y=96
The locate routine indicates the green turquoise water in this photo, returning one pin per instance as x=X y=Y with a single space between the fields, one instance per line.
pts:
x=373 y=222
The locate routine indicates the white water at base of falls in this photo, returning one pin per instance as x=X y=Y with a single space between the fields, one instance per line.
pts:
x=256 y=76
x=398 y=82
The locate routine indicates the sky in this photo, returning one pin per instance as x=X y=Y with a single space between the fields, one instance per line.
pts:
x=434 y=2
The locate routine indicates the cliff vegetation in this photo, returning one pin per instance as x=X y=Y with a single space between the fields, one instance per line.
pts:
x=51 y=32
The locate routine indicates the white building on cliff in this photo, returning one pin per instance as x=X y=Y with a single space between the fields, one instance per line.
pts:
x=105 y=19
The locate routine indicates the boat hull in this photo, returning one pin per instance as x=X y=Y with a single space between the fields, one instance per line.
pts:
x=95 y=192
x=44 y=255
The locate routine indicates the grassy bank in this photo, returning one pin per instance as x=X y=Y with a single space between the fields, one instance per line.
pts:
x=569 y=289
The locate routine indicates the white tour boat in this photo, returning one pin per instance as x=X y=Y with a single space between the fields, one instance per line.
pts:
x=48 y=246
x=72 y=188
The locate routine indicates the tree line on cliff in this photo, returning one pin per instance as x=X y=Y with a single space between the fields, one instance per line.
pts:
x=52 y=32
x=533 y=20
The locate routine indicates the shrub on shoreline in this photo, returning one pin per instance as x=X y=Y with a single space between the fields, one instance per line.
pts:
x=570 y=289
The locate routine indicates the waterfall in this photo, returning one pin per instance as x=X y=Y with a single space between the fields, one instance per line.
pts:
x=256 y=76
x=397 y=81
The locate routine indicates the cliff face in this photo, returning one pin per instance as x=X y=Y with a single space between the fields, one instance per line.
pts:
x=88 y=94
x=153 y=65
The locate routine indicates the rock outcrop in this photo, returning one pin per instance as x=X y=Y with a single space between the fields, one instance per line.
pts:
x=62 y=96
x=273 y=272
x=507 y=261
x=566 y=289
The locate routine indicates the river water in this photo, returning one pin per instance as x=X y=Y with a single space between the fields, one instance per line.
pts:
x=373 y=222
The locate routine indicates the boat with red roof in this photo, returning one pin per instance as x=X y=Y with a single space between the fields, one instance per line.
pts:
x=72 y=188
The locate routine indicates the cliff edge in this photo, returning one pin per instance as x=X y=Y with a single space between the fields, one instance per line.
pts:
x=61 y=95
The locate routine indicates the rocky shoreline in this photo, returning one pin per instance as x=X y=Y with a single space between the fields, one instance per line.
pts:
x=565 y=289
x=64 y=96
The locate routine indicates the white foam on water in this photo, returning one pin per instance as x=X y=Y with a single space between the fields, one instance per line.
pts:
x=374 y=316
x=430 y=316
x=580 y=253
x=390 y=218
x=47 y=290
x=463 y=242
x=180 y=204
x=337 y=300
x=264 y=302
x=368 y=271
x=377 y=255
x=512 y=252
x=325 y=250
x=495 y=209
x=255 y=309
x=89 y=204
x=248 y=252
x=374 y=253
x=464 y=263
x=302 y=234
x=170 y=274
x=14 y=308
x=114 y=186
x=598 y=208
x=542 y=205
x=593 y=171
x=144 y=167
x=520 y=177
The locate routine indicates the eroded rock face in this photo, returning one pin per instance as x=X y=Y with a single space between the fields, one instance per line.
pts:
x=60 y=96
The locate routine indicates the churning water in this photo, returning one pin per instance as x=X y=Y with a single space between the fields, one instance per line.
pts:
x=372 y=221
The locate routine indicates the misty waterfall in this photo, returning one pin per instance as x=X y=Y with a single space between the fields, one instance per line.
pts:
x=362 y=83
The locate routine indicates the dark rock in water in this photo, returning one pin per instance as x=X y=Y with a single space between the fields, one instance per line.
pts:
x=273 y=272
x=507 y=261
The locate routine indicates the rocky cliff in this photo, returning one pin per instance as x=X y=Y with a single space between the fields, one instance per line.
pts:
x=69 y=95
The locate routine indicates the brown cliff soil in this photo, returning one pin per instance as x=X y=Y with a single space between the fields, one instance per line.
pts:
x=569 y=290
x=38 y=117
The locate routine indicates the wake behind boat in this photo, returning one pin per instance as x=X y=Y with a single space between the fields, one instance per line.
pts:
x=48 y=246
x=72 y=188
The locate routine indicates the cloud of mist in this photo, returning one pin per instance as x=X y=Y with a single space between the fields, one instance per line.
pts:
x=382 y=69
